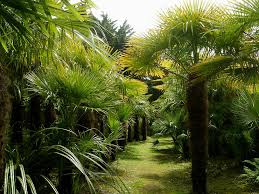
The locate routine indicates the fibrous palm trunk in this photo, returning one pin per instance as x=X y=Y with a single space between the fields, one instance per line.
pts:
x=197 y=104
x=257 y=141
x=36 y=113
x=129 y=133
x=136 y=129
x=50 y=115
x=17 y=121
x=123 y=140
x=144 y=128
x=5 y=112
x=65 y=178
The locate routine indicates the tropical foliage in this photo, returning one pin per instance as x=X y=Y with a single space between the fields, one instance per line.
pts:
x=194 y=43
x=76 y=89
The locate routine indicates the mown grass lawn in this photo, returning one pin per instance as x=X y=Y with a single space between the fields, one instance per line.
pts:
x=148 y=169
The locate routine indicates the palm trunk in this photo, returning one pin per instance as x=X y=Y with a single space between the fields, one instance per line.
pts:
x=197 y=104
x=257 y=141
x=102 y=125
x=5 y=112
x=93 y=120
x=50 y=115
x=65 y=178
x=17 y=121
x=122 y=142
x=144 y=128
x=136 y=129
x=130 y=133
x=36 y=114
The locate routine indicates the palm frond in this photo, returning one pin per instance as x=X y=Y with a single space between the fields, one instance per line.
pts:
x=18 y=17
x=85 y=88
x=246 y=11
x=142 y=55
x=68 y=154
x=51 y=184
x=246 y=108
x=211 y=66
x=188 y=27
x=10 y=183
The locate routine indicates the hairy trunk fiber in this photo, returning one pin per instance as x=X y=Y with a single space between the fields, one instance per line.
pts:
x=102 y=124
x=122 y=142
x=5 y=112
x=197 y=104
x=136 y=129
x=149 y=128
x=114 y=150
x=144 y=128
x=90 y=120
x=93 y=120
x=130 y=133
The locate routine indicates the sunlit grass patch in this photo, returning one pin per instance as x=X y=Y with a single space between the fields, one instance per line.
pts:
x=149 y=169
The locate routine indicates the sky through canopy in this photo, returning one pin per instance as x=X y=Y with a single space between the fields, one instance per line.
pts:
x=141 y=14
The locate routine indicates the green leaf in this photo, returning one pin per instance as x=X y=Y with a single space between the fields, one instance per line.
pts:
x=23 y=179
x=50 y=183
x=31 y=184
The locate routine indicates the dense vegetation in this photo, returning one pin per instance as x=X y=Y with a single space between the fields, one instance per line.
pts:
x=76 y=89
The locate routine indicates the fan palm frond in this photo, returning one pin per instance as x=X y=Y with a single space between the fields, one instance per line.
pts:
x=131 y=87
x=142 y=54
x=74 y=86
x=247 y=109
x=190 y=26
x=246 y=11
x=18 y=17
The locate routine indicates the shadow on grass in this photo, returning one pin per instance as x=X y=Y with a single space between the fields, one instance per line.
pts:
x=167 y=155
x=177 y=180
x=130 y=153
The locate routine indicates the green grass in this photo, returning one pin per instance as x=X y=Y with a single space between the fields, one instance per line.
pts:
x=148 y=169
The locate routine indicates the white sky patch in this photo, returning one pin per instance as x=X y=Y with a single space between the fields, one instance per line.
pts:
x=140 y=14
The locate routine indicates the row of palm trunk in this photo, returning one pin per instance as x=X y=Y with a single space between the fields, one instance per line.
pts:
x=135 y=129
x=35 y=115
x=15 y=117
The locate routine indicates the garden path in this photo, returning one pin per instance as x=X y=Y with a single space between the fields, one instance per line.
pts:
x=148 y=169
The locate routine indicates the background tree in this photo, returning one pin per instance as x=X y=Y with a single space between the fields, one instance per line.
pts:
x=20 y=21
x=116 y=36
x=186 y=38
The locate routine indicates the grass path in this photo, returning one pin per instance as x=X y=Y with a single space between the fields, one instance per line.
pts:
x=148 y=169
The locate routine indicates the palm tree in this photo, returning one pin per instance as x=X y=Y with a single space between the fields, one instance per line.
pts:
x=193 y=38
x=79 y=79
x=186 y=38
x=20 y=21
x=240 y=60
x=133 y=94
x=246 y=109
